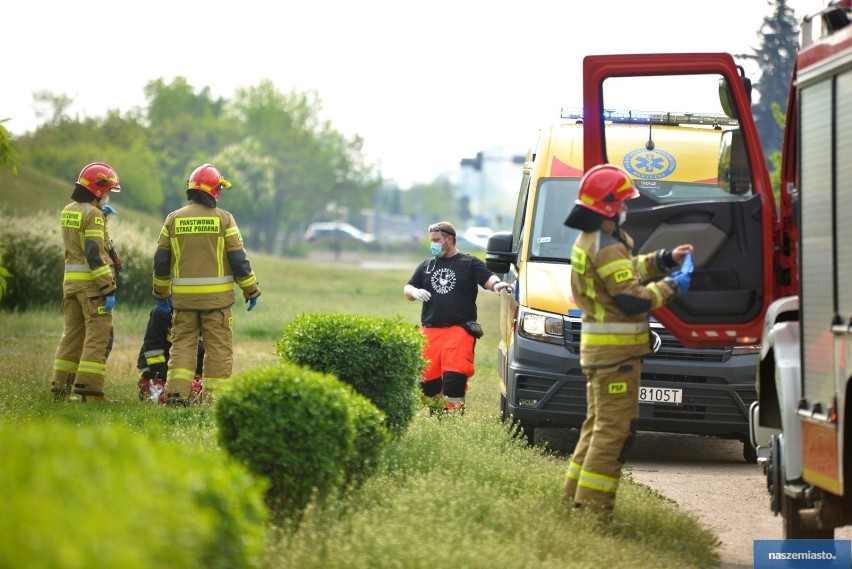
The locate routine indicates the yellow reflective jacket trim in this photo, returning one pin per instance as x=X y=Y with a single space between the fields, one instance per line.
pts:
x=65 y=365
x=176 y=260
x=614 y=327
x=598 y=482
x=234 y=230
x=201 y=289
x=96 y=368
x=614 y=339
x=78 y=273
x=71 y=268
x=161 y=359
x=79 y=276
x=643 y=265
x=659 y=299
x=100 y=271
x=600 y=311
x=247 y=282
x=161 y=282
x=94 y=234
x=220 y=255
x=204 y=280
x=621 y=270
x=578 y=260
x=164 y=232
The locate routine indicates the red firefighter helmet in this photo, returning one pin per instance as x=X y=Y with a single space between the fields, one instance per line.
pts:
x=603 y=189
x=207 y=179
x=99 y=178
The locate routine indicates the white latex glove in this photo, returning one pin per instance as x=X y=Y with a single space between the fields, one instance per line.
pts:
x=500 y=286
x=422 y=295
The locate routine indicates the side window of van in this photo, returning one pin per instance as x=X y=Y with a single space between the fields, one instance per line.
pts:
x=550 y=237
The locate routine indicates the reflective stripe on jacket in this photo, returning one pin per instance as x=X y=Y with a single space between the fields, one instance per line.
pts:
x=602 y=269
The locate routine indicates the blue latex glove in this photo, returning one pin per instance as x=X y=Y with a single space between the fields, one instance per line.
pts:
x=165 y=305
x=110 y=302
x=683 y=276
x=252 y=302
x=109 y=210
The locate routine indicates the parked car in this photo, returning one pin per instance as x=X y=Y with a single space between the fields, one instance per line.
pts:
x=328 y=231
x=478 y=237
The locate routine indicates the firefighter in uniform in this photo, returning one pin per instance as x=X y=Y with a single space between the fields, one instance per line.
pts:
x=610 y=286
x=88 y=288
x=199 y=257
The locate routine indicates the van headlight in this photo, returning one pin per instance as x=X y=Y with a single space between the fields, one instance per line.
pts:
x=542 y=327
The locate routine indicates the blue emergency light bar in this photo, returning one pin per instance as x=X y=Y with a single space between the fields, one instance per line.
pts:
x=654 y=117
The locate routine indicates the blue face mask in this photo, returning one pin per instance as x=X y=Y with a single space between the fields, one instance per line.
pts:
x=437 y=249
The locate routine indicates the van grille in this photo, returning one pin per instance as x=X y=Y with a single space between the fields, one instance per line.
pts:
x=671 y=349
x=712 y=403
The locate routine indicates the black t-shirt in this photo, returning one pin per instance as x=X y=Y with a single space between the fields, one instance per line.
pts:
x=454 y=285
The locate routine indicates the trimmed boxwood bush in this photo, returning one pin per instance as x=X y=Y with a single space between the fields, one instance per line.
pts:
x=306 y=431
x=382 y=358
x=92 y=497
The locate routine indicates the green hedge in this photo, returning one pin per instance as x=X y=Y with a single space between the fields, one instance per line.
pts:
x=93 y=497
x=307 y=432
x=380 y=357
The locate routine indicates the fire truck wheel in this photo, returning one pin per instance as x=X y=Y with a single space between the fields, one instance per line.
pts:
x=793 y=527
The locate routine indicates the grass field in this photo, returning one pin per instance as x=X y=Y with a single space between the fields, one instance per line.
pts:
x=459 y=492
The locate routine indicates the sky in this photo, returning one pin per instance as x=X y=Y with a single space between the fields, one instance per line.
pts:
x=424 y=84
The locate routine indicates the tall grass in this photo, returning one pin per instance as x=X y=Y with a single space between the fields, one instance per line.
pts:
x=456 y=492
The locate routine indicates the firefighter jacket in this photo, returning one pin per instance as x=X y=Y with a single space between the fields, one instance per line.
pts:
x=611 y=287
x=199 y=256
x=87 y=263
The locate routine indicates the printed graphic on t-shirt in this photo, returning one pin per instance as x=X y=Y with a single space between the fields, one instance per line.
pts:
x=443 y=281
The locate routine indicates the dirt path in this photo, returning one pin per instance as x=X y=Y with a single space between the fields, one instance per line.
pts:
x=708 y=478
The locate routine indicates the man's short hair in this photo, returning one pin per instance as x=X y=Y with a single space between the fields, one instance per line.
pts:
x=444 y=227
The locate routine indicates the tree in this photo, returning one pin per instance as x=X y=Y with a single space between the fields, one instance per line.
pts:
x=779 y=35
x=313 y=164
x=61 y=149
x=52 y=108
x=186 y=128
x=7 y=151
x=428 y=203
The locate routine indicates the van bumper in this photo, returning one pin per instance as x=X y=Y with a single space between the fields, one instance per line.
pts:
x=544 y=386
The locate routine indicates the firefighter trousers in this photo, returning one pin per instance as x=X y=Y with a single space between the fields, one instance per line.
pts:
x=80 y=360
x=215 y=327
x=612 y=411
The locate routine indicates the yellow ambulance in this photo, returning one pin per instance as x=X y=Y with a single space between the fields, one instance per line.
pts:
x=674 y=160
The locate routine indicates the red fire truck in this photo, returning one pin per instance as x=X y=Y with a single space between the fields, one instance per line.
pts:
x=801 y=420
x=774 y=271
